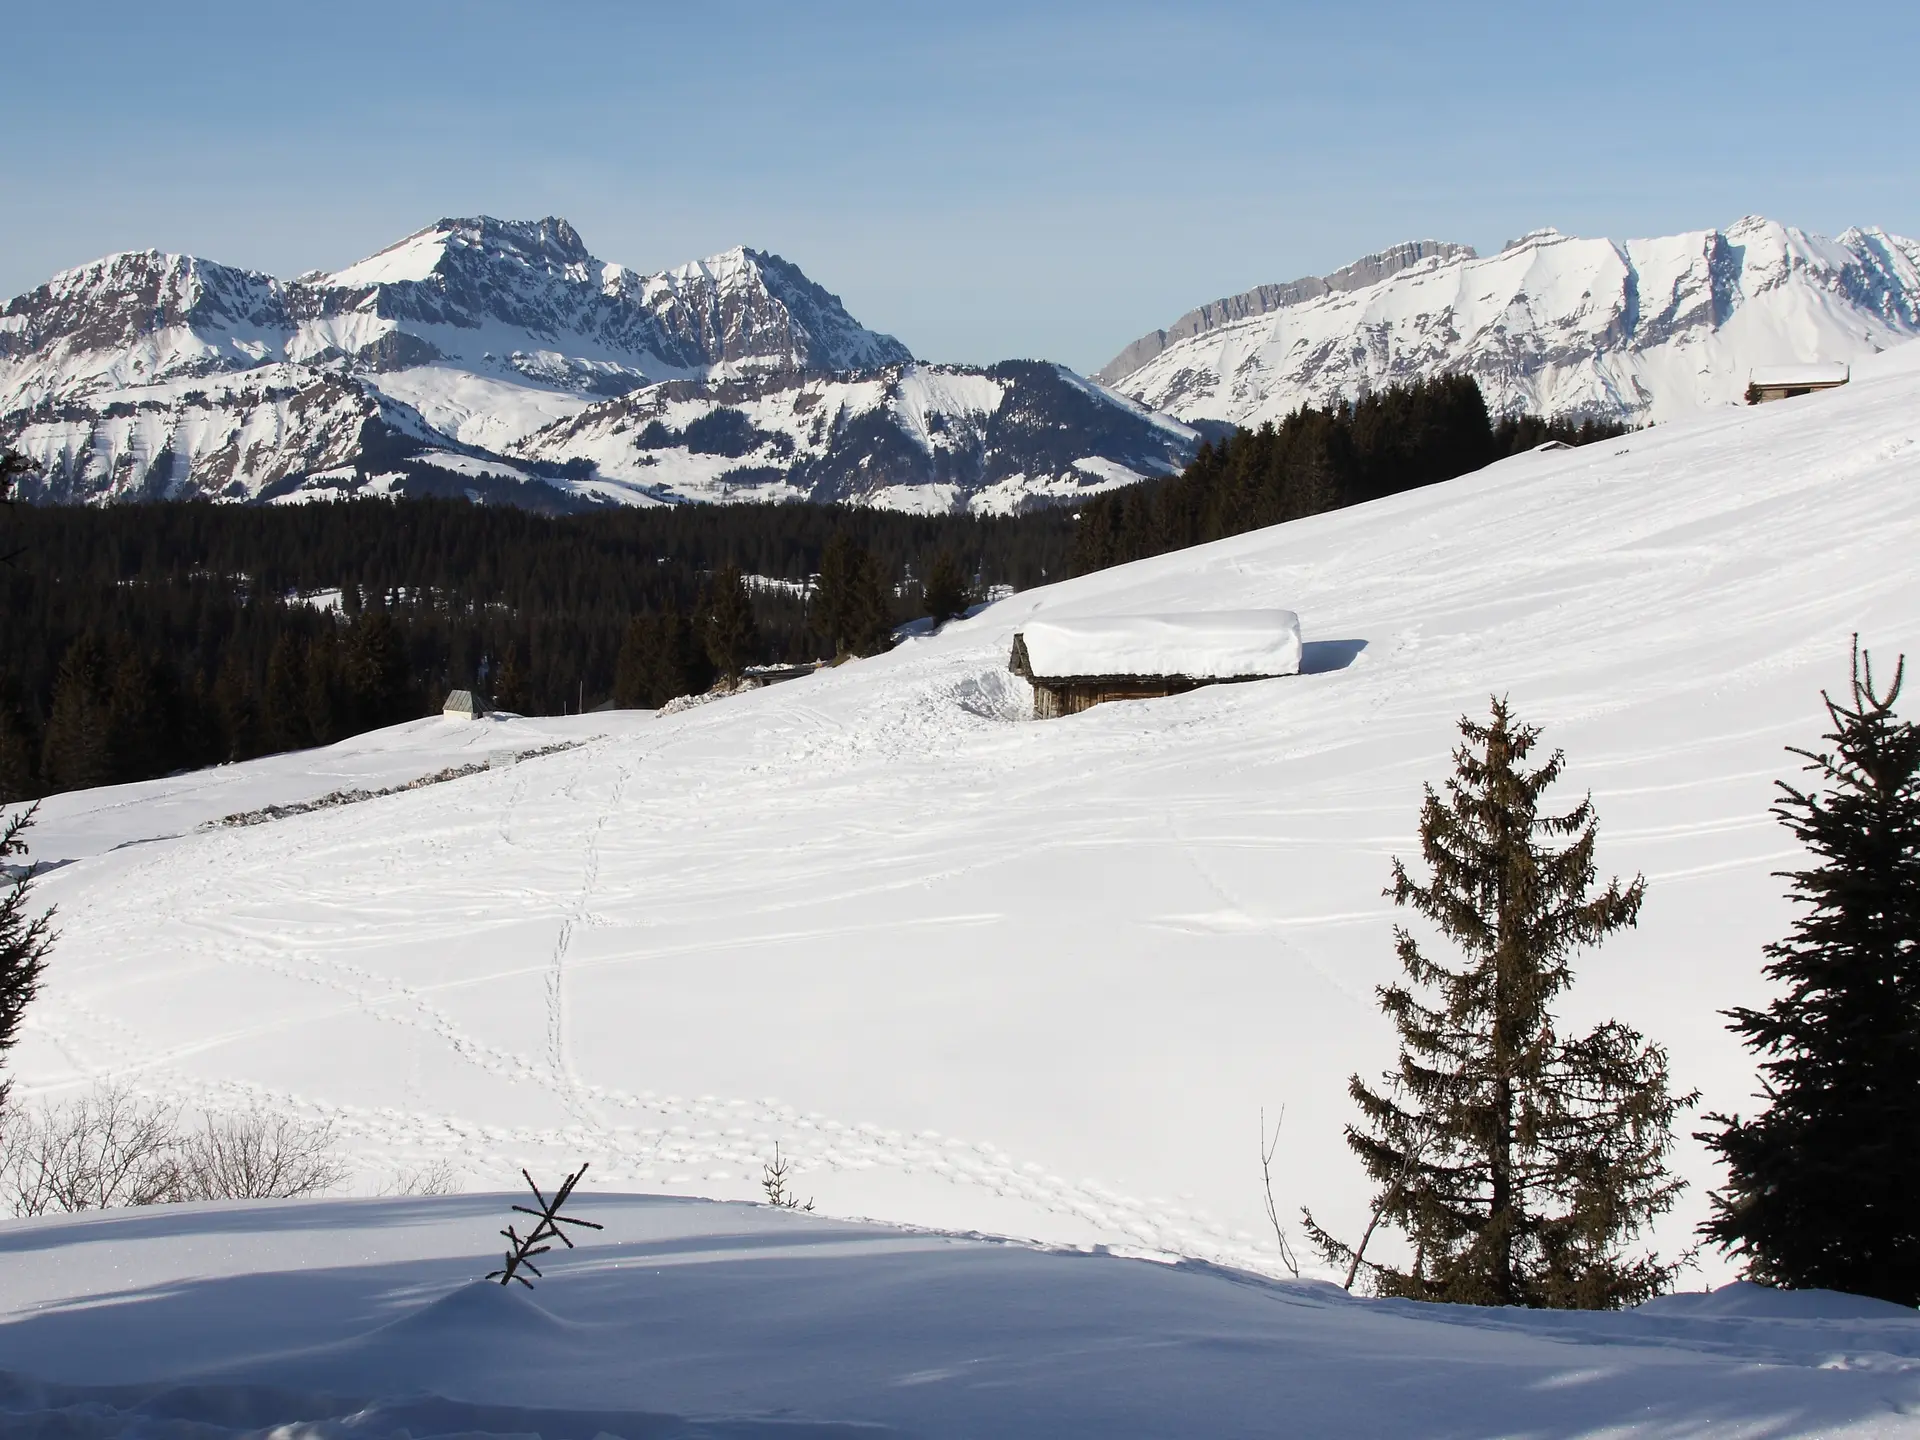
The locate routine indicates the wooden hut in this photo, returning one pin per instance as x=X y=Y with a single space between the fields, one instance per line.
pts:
x=463 y=705
x=1783 y=382
x=1077 y=664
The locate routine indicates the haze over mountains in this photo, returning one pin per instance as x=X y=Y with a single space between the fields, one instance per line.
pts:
x=502 y=361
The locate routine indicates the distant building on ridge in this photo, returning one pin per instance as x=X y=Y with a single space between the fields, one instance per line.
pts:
x=463 y=705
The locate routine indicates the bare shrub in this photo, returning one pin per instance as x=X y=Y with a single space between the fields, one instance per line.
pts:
x=436 y=1177
x=258 y=1156
x=112 y=1148
x=105 y=1150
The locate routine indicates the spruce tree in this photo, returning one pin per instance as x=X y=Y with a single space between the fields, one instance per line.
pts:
x=75 y=753
x=945 y=594
x=16 y=759
x=512 y=691
x=24 y=938
x=283 y=710
x=727 y=624
x=831 y=592
x=1518 y=1165
x=379 y=681
x=1823 y=1186
x=633 y=669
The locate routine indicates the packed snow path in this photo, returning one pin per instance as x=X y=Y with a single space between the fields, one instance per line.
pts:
x=362 y=1319
x=1029 y=978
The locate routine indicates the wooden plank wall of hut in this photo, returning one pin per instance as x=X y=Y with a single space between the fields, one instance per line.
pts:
x=1052 y=699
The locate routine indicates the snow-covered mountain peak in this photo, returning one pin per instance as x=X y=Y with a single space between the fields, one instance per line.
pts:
x=485 y=357
x=550 y=246
x=1545 y=235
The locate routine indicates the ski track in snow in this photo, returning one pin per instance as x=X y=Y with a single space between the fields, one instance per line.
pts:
x=1104 y=942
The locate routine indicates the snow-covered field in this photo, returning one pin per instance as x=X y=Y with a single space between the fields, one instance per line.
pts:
x=689 y=1319
x=984 y=974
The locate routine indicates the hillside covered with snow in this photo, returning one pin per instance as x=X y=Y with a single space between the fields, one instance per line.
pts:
x=984 y=973
x=1635 y=331
x=499 y=359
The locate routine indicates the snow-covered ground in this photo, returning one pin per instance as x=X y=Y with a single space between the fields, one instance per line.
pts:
x=1037 y=979
x=690 y=1319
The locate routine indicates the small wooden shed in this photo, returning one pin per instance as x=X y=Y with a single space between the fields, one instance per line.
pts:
x=1783 y=382
x=1077 y=664
x=463 y=705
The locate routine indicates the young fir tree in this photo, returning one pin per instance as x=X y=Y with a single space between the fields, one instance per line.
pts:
x=727 y=625
x=1518 y=1165
x=284 y=708
x=16 y=759
x=75 y=753
x=512 y=690
x=945 y=594
x=24 y=938
x=850 y=607
x=1823 y=1185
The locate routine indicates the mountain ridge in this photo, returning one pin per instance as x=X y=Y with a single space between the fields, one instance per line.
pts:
x=430 y=366
x=1554 y=325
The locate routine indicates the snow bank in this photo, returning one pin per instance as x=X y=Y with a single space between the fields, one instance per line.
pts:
x=364 y=1320
x=1219 y=645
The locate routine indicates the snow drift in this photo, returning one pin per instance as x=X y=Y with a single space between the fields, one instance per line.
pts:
x=361 y=1320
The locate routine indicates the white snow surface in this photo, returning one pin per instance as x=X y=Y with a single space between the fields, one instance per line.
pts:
x=683 y=1319
x=1218 y=645
x=982 y=974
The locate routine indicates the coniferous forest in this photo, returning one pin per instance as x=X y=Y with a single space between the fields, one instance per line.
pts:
x=1397 y=439
x=141 y=640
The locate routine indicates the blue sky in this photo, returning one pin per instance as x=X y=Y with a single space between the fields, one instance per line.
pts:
x=983 y=180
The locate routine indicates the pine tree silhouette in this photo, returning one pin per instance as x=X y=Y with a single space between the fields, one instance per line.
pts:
x=284 y=707
x=24 y=938
x=727 y=624
x=1517 y=1164
x=945 y=595
x=1823 y=1186
x=76 y=753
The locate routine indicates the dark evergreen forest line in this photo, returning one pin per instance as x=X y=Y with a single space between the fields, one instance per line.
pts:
x=1314 y=460
x=140 y=640
x=145 y=639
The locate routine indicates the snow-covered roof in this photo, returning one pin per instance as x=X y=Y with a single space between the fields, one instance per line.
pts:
x=1213 y=645
x=1770 y=377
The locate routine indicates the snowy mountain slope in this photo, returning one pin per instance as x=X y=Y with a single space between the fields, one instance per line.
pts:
x=1639 y=331
x=1366 y=271
x=1034 y=978
x=908 y=437
x=512 y=300
x=486 y=343
x=688 y=1319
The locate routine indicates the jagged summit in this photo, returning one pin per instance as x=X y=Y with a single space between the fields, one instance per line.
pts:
x=1553 y=324
x=551 y=246
x=486 y=357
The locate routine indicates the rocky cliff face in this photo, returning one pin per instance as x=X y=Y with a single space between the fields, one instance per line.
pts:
x=1637 y=331
x=1262 y=299
x=502 y=360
